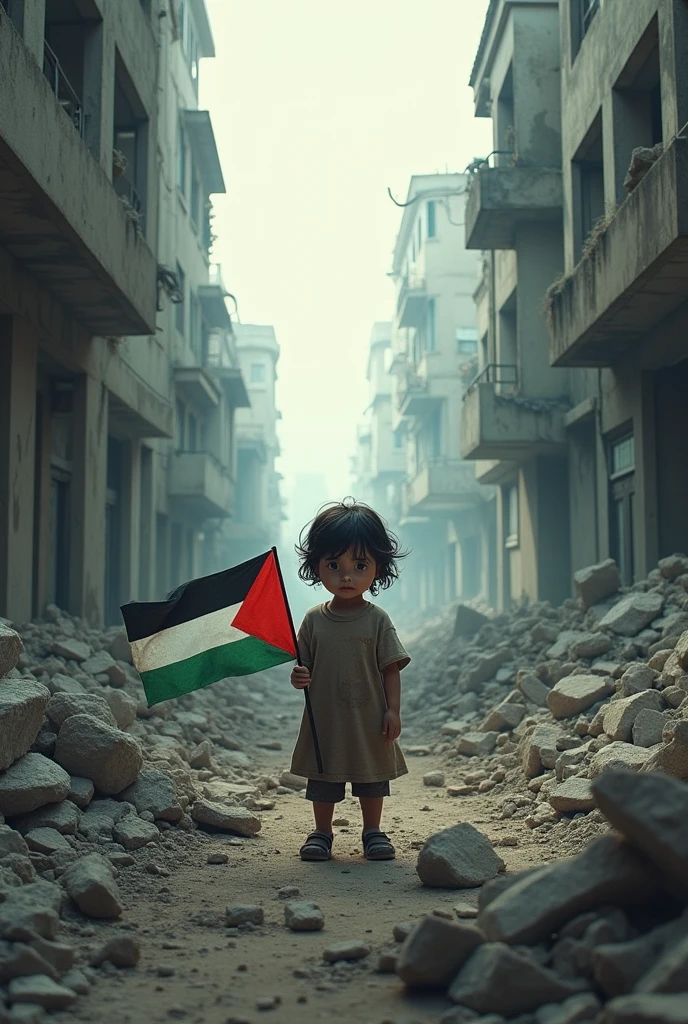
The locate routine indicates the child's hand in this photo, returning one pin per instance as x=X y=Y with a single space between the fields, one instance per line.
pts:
x=391 y=725
x=300 y=677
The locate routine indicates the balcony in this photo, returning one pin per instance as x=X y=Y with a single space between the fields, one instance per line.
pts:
x=635 y=277
x=196 y=385
x=251 y=438
x=414 y=394
x=501 y=198
x=441 y=487
x=59 y=215
x=412 y=302
x=212 y=299
x=498 y=425
x=201 y=483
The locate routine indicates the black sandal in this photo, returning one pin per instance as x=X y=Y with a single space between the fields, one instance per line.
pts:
x=318 y=846
x=376 y=845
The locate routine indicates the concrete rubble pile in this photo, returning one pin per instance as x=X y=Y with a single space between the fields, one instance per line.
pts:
x=93 y=783
x=601 y=937
x=539 y=702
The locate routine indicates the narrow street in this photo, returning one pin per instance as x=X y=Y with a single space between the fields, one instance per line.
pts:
x=193 y=969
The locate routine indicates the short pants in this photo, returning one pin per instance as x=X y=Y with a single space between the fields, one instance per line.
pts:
x=334 y=792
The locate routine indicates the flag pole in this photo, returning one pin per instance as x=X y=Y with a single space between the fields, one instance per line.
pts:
x=309 y=706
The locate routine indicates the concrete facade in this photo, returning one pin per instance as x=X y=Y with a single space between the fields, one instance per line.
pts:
x=117 y=448
x=513 y=413
x=620 y=314
x=588 y=308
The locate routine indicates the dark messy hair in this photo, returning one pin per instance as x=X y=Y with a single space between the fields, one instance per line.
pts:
x=342 y=525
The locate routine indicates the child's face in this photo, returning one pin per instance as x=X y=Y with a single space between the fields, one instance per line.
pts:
x=347 y=576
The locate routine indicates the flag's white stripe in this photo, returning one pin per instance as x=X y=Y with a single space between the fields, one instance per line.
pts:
x=186 y=640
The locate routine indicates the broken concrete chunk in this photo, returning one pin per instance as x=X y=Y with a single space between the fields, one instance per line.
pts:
x=11 y=647
x=47 y=841
x=637 y=678
x=597 y=582
x=633 y=613
x=301 y=916
x=618 y=755
x=651 y=811
x=244 y=913
x=621 y=714
x=671 y=758
x=573 y=796
x=91 y=749
x=539 y=749
x=91 y=884
x=646 y=1009
x=31 y=782
x=229 y=819
x=460 y=857
x=352 y=949
x=533 y=689
x=497 y=979
x=590 y=645
x=40 y=990
x=154 y=791
x=477 y=744
x=80 y=791
x=669 y=974
x=574 y=694
x=132 y=832
x=22 y=707
x=607 y=872
x=63 y=705
x=649 y=727
x=71 y=650
x=64 y=817
x=434 y=951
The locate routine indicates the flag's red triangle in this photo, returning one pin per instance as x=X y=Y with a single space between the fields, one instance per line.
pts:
x=264 y=612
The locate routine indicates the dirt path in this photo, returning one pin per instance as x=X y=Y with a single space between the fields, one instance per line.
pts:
x=193 y=969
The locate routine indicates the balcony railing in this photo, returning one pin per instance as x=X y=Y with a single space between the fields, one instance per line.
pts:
x=502 y=375
x=59 y=83
x=130 y=198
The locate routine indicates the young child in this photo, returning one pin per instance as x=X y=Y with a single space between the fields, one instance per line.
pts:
x=352 y=659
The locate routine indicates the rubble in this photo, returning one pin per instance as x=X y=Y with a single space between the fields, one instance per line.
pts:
x=458 y=858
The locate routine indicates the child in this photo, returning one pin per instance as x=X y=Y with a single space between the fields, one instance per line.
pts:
x=351 y=658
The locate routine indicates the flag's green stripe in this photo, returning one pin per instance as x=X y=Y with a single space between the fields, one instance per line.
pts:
x=240 y=658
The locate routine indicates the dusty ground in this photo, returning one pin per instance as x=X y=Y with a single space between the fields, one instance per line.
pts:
x=193 y=969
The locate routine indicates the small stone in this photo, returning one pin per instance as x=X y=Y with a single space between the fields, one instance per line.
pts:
x=80 y=791
x=301 y=916
x=91 y=885
x=341 y=822
x=618 y=755
x=217 y=858
x=573 y=796
x=165 y=971
x=132 y=833
x=290 y=781
x=122 y=951
x=648 y=728
x=636 y=679
x=402 y=931
x=533 y=689
x=288 y=892
x=621 y=714
x=268 y=1002
x=46 y=840
x=71 y=650
x=477 y=744
x=460 y=857
x=353 y=949
x=433 y=779
x=229 y=819
x=387 y=962
x=63 y=817
x=244 y=913
x=41 y=991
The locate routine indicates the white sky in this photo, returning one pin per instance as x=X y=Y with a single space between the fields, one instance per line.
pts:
x=318 y=106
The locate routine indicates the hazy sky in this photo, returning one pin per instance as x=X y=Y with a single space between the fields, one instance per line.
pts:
x=318 y=106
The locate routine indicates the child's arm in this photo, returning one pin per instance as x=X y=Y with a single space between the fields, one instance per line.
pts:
x=391 y=722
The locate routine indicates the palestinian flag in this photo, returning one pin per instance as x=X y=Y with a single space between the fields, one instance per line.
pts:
x=232 y=623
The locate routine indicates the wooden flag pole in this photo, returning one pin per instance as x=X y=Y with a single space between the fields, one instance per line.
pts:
x=309 y=706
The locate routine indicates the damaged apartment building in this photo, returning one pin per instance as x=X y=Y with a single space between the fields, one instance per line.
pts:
x=119 y=456
x=578 y=414
x=408 y=461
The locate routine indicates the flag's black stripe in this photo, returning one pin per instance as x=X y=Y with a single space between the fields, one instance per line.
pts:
x=192 y=599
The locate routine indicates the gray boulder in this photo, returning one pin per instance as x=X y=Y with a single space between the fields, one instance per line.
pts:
x=633 y=613
x=597 y=582
x=574 y=694
x=133 y=832
x=229 y=819
x=91 y=884
x=22 y=707
x=11 y=647
x=434 y=951
x=460 y=857
x=30 y=783
x=63 y=705
x=89 y=748
x=63 y=817
x=154 y=791
x=649 y=727
x=621 y=714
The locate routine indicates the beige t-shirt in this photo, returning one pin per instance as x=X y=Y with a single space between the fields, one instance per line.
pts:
x=346 y=655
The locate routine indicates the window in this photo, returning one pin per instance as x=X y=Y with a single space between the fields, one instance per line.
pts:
x=436 y=433
x=621 y=506
x=180 y=309
x=193 y=321
x=431 y=328
x=510 y=497
x=420 y=233
x=181 y=418
x=432 y=226
x=398 y=439
x=192 y=431
x=466 y=341
x=582 y=14
x=195 y=201
x=187 y=30
x=181 y=159
x=257 y=373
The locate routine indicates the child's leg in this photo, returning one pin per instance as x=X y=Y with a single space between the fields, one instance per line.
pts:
x=371 y=809
x=323 y=814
